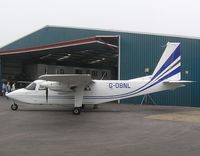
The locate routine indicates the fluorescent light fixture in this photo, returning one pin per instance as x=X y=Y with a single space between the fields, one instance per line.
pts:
x=64 y=57
x=96 y=61
x=45 y=56
x=84 y=51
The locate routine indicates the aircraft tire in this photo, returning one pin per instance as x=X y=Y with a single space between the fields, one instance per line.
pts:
x=14 y=107
x=77 y=111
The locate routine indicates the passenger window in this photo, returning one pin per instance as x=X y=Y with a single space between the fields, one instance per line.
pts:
x=42 y=87
x=32 y=86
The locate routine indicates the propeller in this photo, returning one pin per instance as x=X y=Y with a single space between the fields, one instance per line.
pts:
x=47 y=95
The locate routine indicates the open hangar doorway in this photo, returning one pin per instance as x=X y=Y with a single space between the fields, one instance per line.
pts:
x=98 y=56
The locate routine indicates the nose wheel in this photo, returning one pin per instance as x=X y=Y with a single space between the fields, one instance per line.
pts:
x=14 y=107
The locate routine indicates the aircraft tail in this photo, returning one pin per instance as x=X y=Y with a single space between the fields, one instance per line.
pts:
x=169 y=65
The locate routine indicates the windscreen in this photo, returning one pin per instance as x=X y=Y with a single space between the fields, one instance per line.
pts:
x=32 y=86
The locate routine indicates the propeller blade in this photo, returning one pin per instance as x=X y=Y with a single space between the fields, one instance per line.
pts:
x=47 y=95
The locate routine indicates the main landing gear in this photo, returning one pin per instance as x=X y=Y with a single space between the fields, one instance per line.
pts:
x=14 y=107
x=77 y=110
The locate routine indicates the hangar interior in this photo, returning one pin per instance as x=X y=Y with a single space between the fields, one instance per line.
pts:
x=121 y=55
x=97 y=56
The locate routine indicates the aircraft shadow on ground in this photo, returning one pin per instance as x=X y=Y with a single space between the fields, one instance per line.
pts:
x=70 y=110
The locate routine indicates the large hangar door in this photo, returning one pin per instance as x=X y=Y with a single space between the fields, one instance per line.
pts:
x=95 y=58
x=92 y=55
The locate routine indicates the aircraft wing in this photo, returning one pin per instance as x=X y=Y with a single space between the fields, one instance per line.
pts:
x=66 y=82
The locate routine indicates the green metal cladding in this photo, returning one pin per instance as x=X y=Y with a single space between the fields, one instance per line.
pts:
x=137 y=52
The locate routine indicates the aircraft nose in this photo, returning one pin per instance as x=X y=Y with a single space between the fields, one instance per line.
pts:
x=15 y=94
x=12 y=95
x=9 y=95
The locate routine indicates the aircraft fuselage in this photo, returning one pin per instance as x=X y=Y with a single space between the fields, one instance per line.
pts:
x=100 y=91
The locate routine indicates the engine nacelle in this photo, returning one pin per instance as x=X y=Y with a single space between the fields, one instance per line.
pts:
x=56 y=86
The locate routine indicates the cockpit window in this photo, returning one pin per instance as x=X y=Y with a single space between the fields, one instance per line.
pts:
x=32 y=86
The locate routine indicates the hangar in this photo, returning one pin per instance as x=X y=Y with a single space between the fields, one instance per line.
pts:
x=104 y=54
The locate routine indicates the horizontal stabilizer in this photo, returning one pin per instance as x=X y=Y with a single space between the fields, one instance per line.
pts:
x=179 y=82
x=176 y=84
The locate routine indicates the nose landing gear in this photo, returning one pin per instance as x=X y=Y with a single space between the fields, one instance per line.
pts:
x=14 y=107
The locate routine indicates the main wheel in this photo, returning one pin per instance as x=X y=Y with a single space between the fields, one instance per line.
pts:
x=77 y=111
x=14 y=107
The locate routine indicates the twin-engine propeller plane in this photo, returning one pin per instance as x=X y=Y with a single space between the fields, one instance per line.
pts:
x=80 y=89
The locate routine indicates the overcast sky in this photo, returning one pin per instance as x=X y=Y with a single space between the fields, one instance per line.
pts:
x=21 y=17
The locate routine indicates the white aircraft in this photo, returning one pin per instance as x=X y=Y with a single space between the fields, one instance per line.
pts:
x=80 y=89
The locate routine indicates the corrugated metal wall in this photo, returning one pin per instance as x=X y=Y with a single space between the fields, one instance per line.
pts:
x=138 y=51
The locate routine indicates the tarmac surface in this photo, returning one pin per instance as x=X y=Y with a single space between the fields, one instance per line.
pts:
x=110 y=130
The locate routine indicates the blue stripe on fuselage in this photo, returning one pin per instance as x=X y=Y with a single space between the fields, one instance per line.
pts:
x=174 y=72
x=169 y=61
